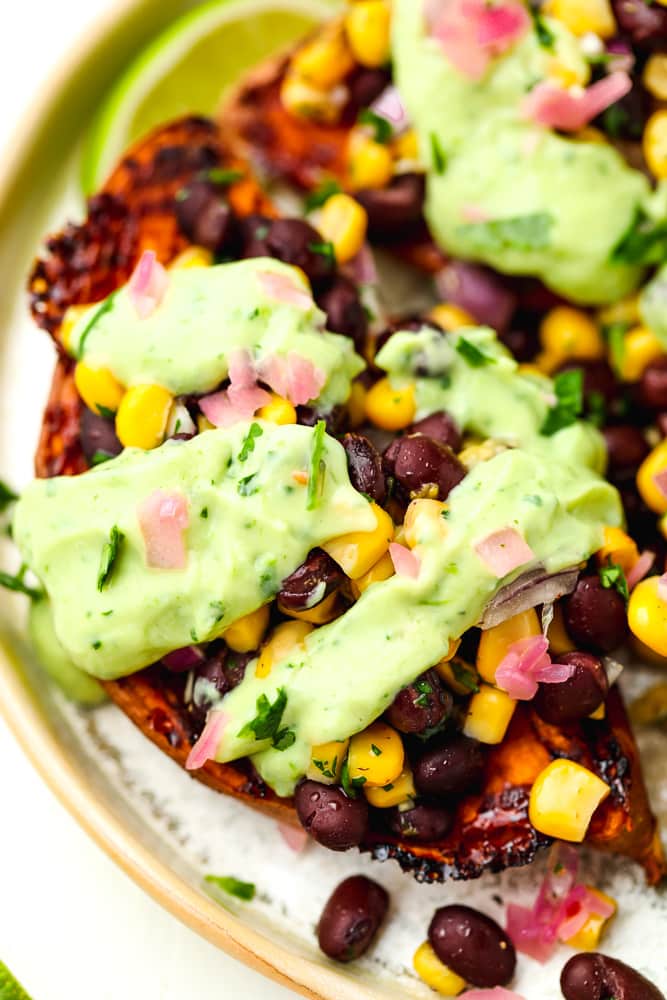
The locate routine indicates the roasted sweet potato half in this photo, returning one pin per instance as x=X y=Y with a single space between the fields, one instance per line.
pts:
x=137 y=210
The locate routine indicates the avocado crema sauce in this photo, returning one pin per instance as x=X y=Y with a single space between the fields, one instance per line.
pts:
x=503 y=190
x=253 y=514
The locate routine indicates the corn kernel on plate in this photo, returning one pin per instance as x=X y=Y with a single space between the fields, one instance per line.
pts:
x=359 y=557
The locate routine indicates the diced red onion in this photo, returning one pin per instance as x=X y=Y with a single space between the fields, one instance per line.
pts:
x=640 y=569
x=471 y=33
x=296 y=839
x=405 y=562
x=478 y=290
x=389 y=105
x=528 y=591
x=304 y=380
x=148 y=284
x=282 y=288
x=504 y=551
x=163 y=519
x=222 y=411
x=622 y=57
x=207 y=745
x=183 y=659
x=497 y=993
x=527 y=664
x=557 y=108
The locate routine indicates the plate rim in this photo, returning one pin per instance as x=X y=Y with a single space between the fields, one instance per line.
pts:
x=24 y=717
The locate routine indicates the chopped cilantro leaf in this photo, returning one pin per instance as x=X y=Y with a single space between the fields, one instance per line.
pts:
x=612 y=576
x=472 y=354
x=104 y=308
x=203 y=513
x=533 y=498
x=109 y=557
x=424 y=689
x=464 y=675
x=321 y=766
x=597 y=409
x=382 y=129
x=645 y=242
x=438 y=154
x=388 y=788
x=7 y=496
x=232 y=886
x=325 y=248
x=99 y=457
x=266 y=724
x=545 y=35
x=350 y=785
x=375 y=750
x=317 y=466
x=105 y=412
x=97 y=644
x=569 y=392
x=520 y=232
x=17 y=584
x=246 y=487
x=218 y=609
x=248 y=445
x=284 y=739
x=222 y=177
x=321 y=195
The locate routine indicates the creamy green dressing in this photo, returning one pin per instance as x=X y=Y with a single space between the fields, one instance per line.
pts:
x=205 y=315
x=566 y=204
x=249 y=528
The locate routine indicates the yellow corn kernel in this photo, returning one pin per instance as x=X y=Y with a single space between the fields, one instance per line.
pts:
x=528 y=368
x=406 y=146
x=394 y=794
x=98 y=388
x=591 y=134
x=423 y=519
x=285 y=638
x=70 y=319
x=204 y=424
x=654 y=144
x=343 y=222
x=368 y=26
x=356 y=405
x=588 y=938
x=618 y=548
x=565 y=75
x=625 y=311
x=392 y=409
x=326 y=762
x=559 y=640
x=191 y=258
x=309 y=103
x=320 y=614
x=325 y=60
x=640 y=348
x=377 y=755
x=435 y=973
x=247 y=633
x=599 y=713
x=654 y=464
x=563 y=799
x=142 y=416
x=571 y=333
x=655 y=75
x=458 y=675
x=369 y=163
x=647 y=615
x=451 y=317
x=480 y=451
x=278 y=411
x=382 y=570
x=496 y=641
x=358 y=551
x=490 y=712
x=583 y=16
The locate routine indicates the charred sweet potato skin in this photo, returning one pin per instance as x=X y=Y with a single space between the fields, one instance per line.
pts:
x=136 y=211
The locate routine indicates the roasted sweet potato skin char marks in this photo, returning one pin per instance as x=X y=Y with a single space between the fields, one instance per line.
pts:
x=491 y=831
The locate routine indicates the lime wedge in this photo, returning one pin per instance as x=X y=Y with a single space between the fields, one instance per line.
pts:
x=9 y=988
x=188 y=68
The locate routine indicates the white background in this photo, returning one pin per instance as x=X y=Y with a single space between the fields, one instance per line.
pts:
x=72 y=925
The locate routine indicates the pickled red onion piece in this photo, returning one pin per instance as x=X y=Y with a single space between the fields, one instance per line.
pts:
x=206 y=746
x=579 y=905
x=504 y=551
x=389 y=105
x=273 y=371
x=304 y=380
x=497 y=993
x=241 y=369
x=282 y=288
x=528 y=663
x=660 y=480
x=557 y=108
x=640 y=569
x=183 y=659
x=471 y=32
x=295 y=839
x=163 y=518
x=526 y=935
x=148 y=284
x=226 y=408
x=405 y=562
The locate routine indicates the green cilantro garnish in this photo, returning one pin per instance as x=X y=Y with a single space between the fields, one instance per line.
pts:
x=109 y=557
x=321 y=195
x=375 y=750
x=382 y=129
x=97 y=644
x=99 y=457
x=615 y=334
x=521 y=232
x=222 y=177
x=284 y=739
x=248 y=445
x=424 y=689
x=597 y=409
x=472 y=354
x=545 y=35
x=388 y=788
x=464 y=675
x=266 y=724
x=232 y=886
x=218 y=609
x=18 y=584
x=569 y=392
x=325 y=248
x=105 y=412
x=246 y=487
x=321 y=765
x=533 y=498
x=317 y=466
x=438 y=154
x=350 y=785
x=612 y=576
x=101 y=311
x=645 y=242
x=203 y=513
x=7 y=496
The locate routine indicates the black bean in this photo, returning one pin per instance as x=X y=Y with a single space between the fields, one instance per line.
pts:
x=308 y=416
x=595 y=616
x=424 y=823
x=522 y=343
x=643 y=21
x=308 y=585
x=351 y=918
x=424 y=467
x=365 y=85
x=345 y=312
x=626 y=118
x=204 y=217
x=592 y=976
x=626 y=448
x=330 y=817
x=488 y=297
x=254 y=231
x=394 y=208
x=453 y=767
x=296 y=242
x=210 y=683
x=98 y=436
x=473 y=945
x=365 y=466
x=422 y=705
x=441 y=427
x=577 y=697
x=653 y=385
